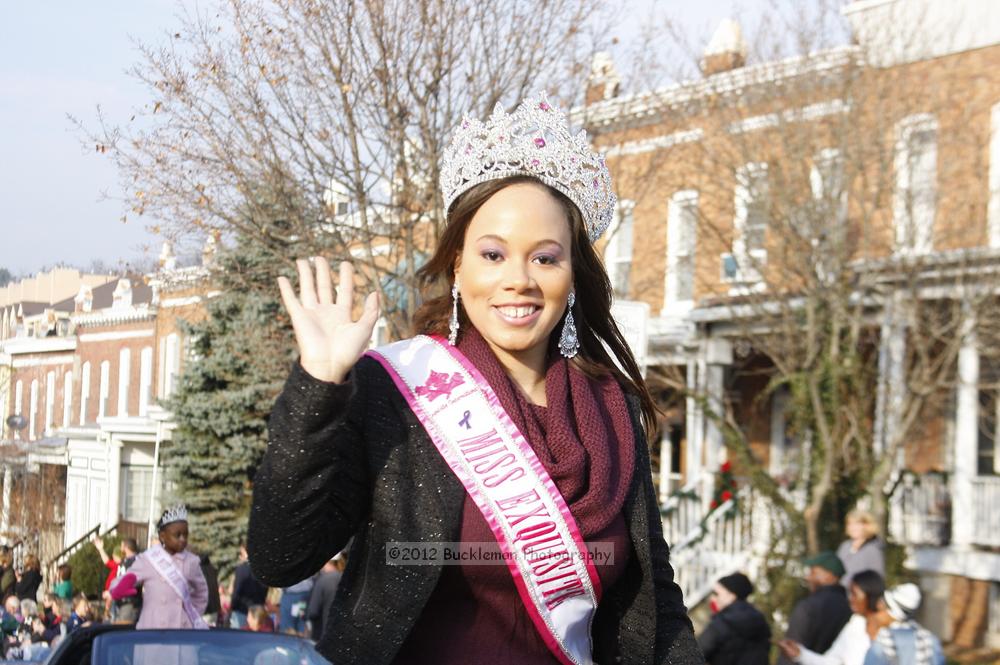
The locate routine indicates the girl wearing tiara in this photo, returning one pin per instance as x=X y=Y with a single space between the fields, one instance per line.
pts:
x=511 y=431
x=174 y=592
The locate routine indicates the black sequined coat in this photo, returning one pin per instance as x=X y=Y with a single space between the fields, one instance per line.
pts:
x=352 y=459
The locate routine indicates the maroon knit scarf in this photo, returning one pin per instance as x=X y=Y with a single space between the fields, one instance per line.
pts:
x=583 y=437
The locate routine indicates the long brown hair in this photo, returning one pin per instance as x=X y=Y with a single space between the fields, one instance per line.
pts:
x=594 y=324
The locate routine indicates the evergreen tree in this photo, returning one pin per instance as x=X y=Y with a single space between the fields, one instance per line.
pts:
x=240 y=355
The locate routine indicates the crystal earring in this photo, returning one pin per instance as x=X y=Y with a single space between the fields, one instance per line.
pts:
x=569 y=343
x=453 y=322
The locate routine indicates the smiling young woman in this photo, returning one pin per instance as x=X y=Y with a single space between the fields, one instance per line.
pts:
x=530 y=477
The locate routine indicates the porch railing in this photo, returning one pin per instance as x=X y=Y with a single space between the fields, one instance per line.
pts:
x=986 y=510
x=52 y=567
x=920 y=510
x=682 y=513
x=722 y=546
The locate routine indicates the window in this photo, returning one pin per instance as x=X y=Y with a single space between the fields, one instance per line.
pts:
x=171 y=363
x=751 y=203
x=827 y=222
x=124 y=373
x=50 y=401
x=827 y=181
x=136 y=492
x=67 y=398
x=682 y=225
x=987 y=450
x=915 y=197
x=19 y=400
x=105 y=389
x=993 y=210
x=145 y=379
x=84 y=392
x=33 y=405
x=618 y=252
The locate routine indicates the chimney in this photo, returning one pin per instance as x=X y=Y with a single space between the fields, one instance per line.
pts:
x=604 y=81
x=726 y=51
x=84 y=300
x=122 y=296
x=210 y=250
x=167 y=259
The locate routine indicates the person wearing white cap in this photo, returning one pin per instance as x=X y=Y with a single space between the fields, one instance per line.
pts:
x=903 y=640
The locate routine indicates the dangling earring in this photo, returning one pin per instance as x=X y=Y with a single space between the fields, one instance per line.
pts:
x=453 y=322
x=569 y=344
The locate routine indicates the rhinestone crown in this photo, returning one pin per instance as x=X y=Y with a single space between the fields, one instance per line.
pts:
x=175 y=513
x=535 y=141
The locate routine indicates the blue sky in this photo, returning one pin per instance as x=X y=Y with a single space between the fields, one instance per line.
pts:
x=59 y=57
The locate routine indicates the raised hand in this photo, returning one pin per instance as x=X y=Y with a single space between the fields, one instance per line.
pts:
x=329 y=340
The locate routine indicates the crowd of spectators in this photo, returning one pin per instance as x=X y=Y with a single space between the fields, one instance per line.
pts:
x=849 y=616
x=33 y=620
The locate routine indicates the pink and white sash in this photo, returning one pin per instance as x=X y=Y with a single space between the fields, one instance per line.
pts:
x=164 y=564
x=539 y=538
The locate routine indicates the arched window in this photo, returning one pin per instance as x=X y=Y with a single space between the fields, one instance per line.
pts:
x=915 y=197
x=618 y=251
x=84 y=392
x=124 y=374
x=67 y=398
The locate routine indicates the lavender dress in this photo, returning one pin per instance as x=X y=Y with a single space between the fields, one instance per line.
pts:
x=161 y=606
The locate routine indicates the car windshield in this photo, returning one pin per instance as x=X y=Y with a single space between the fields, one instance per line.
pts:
x=203 y=647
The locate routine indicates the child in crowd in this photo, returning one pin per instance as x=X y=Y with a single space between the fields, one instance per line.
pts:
x=258 y=620
x=64 y=587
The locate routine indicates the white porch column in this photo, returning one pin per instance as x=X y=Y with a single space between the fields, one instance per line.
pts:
x=966 y=442
x=666 y=459
x=718 y=354
x=891 y=374
x=715 y=449
x=114 y=472
x=694 y=427
x=8 y=480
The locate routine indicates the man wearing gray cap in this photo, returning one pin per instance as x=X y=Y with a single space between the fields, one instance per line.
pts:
x=903 y=640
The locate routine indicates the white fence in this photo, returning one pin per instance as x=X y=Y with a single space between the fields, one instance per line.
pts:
x=986 y=510
x=920 y=510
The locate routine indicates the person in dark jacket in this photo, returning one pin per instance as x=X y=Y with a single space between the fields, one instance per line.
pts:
x=738 y=633
x=211 y=574
x=29 y=579
x=818 y=618
x=244 y=593
x=323 y=593
x=517 y=311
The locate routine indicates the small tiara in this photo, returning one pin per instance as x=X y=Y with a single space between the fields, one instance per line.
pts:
x=175 y=513
x=534 y=141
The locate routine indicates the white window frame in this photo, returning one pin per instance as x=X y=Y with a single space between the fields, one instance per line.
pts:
x=33 y=405
x=145 y=379
x=682 y=225
x=171 y=363
x=103 y=394
x=19 y=401
x=124 y=378
x=993 y=207
x=50 y=402
x=84 y=392
x=914 y=236
x=751 y=187
x=615 y=259
x=67 y=398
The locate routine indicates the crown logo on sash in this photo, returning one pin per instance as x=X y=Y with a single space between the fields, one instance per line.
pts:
x=438 y=384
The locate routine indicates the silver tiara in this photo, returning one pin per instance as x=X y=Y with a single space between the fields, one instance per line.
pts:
x=535 y=141
x=175 y=513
